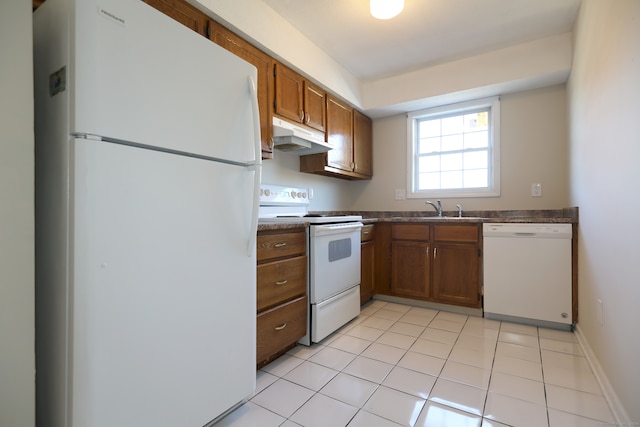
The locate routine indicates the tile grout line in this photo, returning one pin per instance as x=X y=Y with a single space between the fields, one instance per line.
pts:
x=415 y=338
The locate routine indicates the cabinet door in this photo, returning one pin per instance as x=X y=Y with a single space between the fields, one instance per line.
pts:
x=234 y=44
x=182 y=12
x=339 y=134
x=410 y=269
x=315 y=106
x=289 y=90
x=456 y=274
x=362 y=144
x=367 y=274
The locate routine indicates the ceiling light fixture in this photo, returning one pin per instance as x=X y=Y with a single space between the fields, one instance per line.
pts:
x=385 y=9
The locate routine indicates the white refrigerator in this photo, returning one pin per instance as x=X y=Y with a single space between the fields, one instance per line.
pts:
x=147 y=181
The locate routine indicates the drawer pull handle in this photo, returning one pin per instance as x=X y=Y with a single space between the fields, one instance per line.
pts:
x=281 y=327
x=282 y=282
x=365 y=232
x=280 y=245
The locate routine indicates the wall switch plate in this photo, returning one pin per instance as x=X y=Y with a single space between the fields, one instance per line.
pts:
x=536 y=190
x=310 y=193
x=401 y=194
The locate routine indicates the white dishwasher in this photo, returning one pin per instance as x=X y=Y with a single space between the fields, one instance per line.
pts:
x=527 y=273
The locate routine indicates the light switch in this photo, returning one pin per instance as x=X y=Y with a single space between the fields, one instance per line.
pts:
x=536 y=190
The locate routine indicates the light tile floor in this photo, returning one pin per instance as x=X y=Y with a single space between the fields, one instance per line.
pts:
x=398 y=365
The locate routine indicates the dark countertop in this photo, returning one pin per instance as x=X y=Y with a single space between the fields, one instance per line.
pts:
x=551 y=216
x=262 y=226
x=548 y=216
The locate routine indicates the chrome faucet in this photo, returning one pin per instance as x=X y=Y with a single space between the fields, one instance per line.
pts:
x=437 y=207
x=459 y=210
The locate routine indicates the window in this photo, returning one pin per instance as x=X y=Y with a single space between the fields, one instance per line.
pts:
x=454 y=151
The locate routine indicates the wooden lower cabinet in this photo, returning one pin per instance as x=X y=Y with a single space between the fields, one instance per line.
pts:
x=437 y=263
x=410 y=268
x=367 y=262
x=281 y=281
x=455 y=274
x=282 y=302
x=279 y=328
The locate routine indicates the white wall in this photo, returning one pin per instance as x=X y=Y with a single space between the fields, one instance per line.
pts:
x=604 y=110
x=540 y=63
x=329 y=193
x=17 y=357
x=533 y=149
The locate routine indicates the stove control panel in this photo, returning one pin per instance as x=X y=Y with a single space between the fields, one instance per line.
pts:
x=277 y=195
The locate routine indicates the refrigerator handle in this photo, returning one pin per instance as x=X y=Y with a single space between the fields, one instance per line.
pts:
x=257 y=168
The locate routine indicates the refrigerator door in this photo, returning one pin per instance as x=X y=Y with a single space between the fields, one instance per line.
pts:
x=137 y=75
x=162 y=292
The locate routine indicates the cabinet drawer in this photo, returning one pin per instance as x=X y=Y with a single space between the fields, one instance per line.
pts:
x=367 y=233
x=278 y=245
x=281 y=281
x=456 y=233
x=410 y=232
x=280 y=327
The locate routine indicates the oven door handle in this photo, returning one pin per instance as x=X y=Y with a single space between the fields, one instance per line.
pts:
x=321 y=230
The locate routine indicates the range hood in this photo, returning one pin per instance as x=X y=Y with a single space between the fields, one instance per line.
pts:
x=290 y=137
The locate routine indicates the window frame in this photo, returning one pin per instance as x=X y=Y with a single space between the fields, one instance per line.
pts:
x=493 y=188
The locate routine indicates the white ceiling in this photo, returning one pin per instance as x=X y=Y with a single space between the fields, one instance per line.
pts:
x=426 y=33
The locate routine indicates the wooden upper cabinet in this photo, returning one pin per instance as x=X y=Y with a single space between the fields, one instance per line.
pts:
x=299 y=100
x=289 y=94
x=182 y=12
x=339 y=134
x=315 y=106
x=350 y=133
x=362 y=144
x=263 y=63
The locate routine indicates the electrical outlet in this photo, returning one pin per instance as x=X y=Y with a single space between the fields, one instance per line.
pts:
x=536 y=190
x=401 y=194
x=600 y=312
x=310 y=193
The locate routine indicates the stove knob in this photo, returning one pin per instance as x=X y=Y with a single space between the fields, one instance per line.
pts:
x=293 y=194
x=304 y=195
x=267 y=192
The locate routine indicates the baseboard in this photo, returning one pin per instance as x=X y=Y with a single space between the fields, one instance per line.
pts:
x=432 y=305
x=618 y=411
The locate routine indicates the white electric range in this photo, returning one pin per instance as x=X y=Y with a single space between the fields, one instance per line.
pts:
x=333 y=273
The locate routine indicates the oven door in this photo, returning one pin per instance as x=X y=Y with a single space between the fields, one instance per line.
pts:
x=334 y=259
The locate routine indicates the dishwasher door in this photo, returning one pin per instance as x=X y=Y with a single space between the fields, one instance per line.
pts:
x=527 y=273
